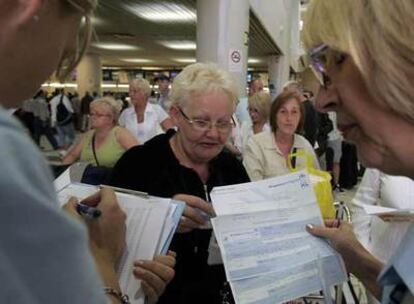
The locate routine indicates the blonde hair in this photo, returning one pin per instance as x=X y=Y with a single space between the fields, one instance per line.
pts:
x=291 y=83
x=114 y=105
x=70 y=60
x=201 y=78
x=262 y=102
x=377 y=35
x=142 y=85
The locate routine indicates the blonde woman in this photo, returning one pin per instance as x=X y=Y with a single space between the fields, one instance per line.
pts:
x=259 y=109
x=144 y=120
x=362 y=52
x=48 y=255
x=105 y=143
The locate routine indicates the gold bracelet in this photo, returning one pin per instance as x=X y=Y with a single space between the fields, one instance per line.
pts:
x=123 y=298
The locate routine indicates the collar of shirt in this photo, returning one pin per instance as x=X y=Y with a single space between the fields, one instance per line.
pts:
x=271 y=143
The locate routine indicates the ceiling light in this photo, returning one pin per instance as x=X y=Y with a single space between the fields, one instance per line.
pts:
x=163 y=12
x=151 y=68
x=253 y=60
x=185 y=60
x=114 y=85
x=137 y=60
x=179 y=45
x=115 y=46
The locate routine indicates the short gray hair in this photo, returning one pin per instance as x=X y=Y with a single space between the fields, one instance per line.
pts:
x=141 y=84
x=200 y=78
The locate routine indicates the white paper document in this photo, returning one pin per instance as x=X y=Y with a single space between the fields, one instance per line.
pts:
x=268 y=255
x=389 y=214
x=150 y=224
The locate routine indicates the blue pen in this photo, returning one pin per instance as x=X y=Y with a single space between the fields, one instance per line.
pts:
x=88 y=211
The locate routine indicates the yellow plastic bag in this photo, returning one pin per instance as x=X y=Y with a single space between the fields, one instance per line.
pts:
x=321 y=182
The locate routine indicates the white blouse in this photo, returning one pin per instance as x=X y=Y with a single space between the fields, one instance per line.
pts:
x=246 y=131
x=154 y=115
x=263 y=158
x=376 y=188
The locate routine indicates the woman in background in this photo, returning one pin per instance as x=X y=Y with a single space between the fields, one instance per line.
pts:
x=267 y=153
x=144 y=120
x=259 y=109
x=105 y=143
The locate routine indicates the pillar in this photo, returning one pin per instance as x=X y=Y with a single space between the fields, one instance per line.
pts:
x=222 y=37
x=89 y=74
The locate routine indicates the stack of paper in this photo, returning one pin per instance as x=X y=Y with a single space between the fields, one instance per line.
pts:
x=267 y=253
x=150 y=225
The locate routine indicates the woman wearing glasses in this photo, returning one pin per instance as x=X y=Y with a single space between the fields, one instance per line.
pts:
x=48 y=256
x=362 y=51
x=267 y=153
x=186 y=165
x=105 y=143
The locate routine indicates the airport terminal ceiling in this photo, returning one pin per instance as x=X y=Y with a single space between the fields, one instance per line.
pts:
x=161 y=34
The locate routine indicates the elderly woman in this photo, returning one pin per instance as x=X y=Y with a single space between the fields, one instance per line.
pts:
x=48 y=256
x=186 y=165
x=258 y=108
x=267 y=153
x=105 y=143
x=144 y=120
x=362 y=52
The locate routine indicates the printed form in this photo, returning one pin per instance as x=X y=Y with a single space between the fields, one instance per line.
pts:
x=268 y=255
x=150 y=224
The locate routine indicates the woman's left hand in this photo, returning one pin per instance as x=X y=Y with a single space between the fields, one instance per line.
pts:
x=155 y=274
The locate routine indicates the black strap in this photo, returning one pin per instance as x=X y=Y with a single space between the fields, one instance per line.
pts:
x=293 y=161
x=93 y=149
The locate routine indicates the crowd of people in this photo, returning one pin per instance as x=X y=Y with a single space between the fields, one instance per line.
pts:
x=188 y=141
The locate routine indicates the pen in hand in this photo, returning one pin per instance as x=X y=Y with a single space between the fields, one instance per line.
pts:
x=88 y=211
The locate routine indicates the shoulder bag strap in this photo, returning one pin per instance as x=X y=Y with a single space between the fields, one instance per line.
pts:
x=93 y=149
x=294 y=157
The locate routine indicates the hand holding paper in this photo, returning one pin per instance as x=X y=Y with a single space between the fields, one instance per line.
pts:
x=195 y=214
x=155 y=274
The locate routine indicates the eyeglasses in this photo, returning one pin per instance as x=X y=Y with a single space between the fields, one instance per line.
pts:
x=99 y=115
x=321 y=57
x=318 y=63
x=70 y=58
x=206 y=125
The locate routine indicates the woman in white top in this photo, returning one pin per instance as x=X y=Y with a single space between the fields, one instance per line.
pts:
x=259 y=109
x=144 y=120
x=381 y=238
x=266 y=153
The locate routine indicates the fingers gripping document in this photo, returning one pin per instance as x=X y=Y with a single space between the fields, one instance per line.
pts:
x=268 y=255
x=150 y=226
